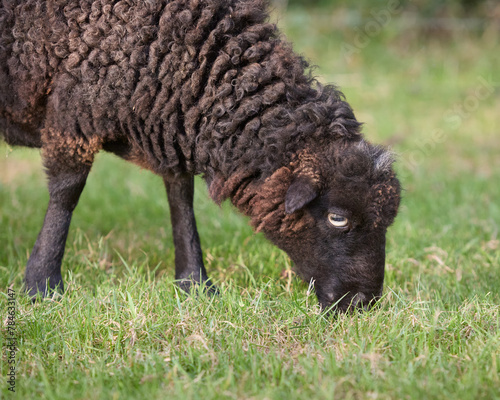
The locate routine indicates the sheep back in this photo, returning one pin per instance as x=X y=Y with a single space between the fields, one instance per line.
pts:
x=203 y=87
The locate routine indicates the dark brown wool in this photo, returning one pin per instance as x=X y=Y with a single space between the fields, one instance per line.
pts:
x=195 y=86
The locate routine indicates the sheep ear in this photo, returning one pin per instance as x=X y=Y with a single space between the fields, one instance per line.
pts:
x=300 y=193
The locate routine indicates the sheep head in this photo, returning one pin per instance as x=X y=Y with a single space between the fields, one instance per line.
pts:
x=329 y=210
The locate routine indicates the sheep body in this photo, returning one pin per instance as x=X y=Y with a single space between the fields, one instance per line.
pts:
x=183 y=87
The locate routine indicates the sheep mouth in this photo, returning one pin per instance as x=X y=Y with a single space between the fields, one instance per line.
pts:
x=348 y=302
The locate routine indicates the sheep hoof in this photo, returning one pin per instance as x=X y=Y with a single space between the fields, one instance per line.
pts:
x=44 y=289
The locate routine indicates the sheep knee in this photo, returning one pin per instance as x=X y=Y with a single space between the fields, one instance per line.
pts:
x=63 y=152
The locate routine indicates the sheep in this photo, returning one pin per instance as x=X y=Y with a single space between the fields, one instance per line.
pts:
x=197 y=87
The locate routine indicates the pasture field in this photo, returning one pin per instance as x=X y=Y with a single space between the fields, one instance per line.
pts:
x=123 y=331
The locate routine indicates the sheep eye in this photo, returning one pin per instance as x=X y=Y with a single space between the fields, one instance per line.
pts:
x=338 y=221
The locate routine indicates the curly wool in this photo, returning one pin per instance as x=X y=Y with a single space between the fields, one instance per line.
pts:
x=198 y=86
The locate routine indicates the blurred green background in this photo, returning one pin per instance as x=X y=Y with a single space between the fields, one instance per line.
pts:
x=487 y=9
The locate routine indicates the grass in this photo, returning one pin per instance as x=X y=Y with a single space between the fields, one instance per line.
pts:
x=122 y=330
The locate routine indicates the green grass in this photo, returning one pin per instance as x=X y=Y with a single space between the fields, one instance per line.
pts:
x=122 y=330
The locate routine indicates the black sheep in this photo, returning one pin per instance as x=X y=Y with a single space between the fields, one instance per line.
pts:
x=187 y=87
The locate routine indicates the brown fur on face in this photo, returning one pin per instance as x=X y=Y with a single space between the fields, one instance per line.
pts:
x=385 y=201
x=308 y=166
x=264 y=203
x=263 y=200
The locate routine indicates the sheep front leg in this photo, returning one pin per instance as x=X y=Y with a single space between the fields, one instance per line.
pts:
x=189 y=268
x=43 y=272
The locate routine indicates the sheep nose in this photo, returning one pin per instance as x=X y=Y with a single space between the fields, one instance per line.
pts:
x=347 y=303
x=364 y=301
x=359 y=300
